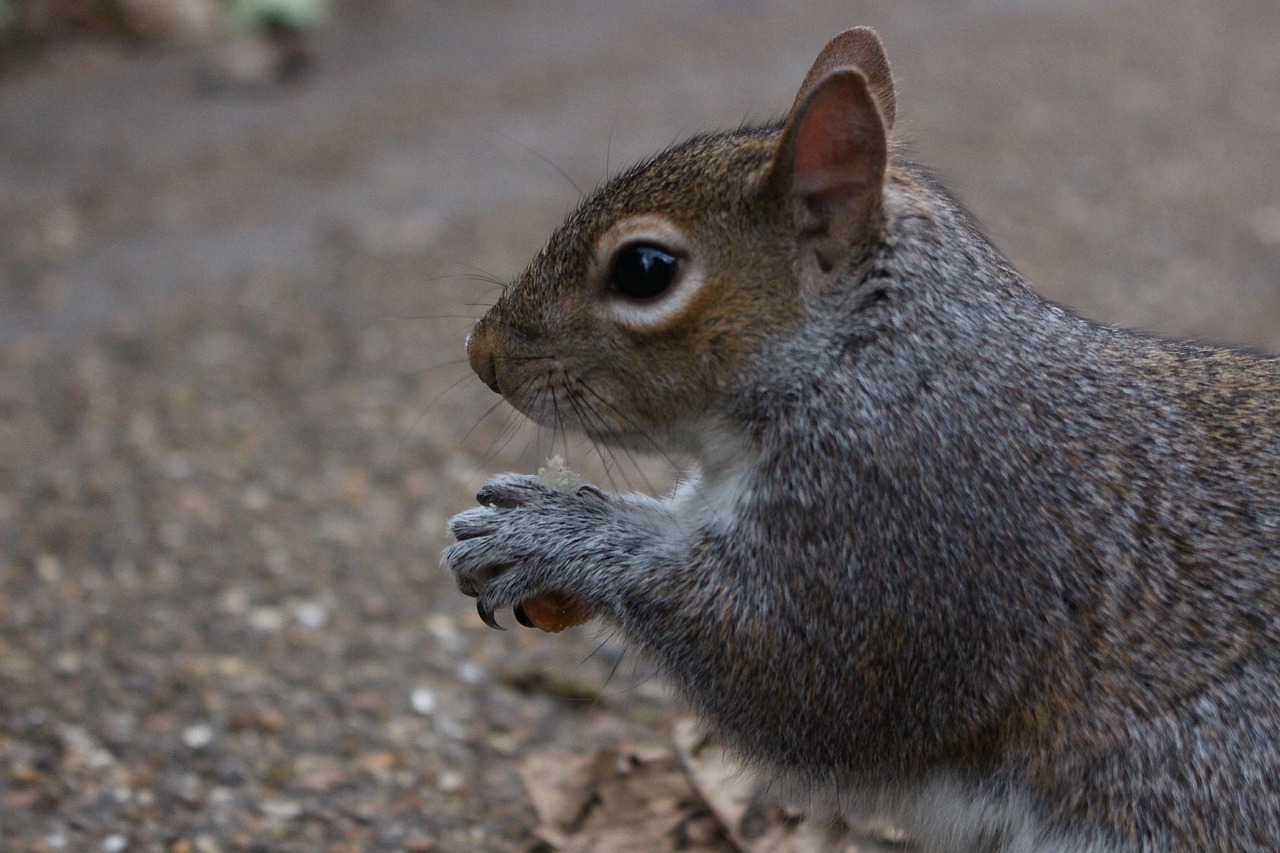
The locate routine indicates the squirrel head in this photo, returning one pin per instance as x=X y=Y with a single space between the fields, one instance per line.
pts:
x=650 y=301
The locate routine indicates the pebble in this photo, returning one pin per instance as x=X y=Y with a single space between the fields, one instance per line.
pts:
x=67 y=663
x=255 y=498
x=48 y=568
x=266 y=619
x=423 y=701
x=450 y=781
x=198 y=736
x=470 y=672
x=235 y=601
x=281 y=810
x=443 y=628
x=311 y=614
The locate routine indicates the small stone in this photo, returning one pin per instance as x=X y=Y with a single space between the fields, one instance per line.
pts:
x=67 y=663
x=255 y=498
x=505 y=744
x=311 y=614
x=470 y=672
x=423 y=701
x=271 y=721
x=198 y=736
x=114 y=844
x=280 y=810
x=266 y=619
x=25 y=774
x=48 y=568
x=444 y=630
x=450 y=781
x=381 y=761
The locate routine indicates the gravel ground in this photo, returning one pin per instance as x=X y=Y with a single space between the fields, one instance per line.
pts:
x=233 y=415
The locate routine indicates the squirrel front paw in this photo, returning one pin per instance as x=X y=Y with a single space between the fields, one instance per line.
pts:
x=528 y=540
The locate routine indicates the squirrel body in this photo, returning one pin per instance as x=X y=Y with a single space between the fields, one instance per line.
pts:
x=953 y=553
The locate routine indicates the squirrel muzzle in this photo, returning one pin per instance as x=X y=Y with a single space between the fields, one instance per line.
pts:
x=480 y=354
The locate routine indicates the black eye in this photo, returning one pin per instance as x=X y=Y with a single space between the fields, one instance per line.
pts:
x=643 y=271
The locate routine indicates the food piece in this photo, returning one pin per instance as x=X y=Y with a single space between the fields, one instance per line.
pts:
x=554 y=611
x=556 y=475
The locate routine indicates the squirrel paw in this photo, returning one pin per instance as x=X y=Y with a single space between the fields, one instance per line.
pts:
x=526 y=539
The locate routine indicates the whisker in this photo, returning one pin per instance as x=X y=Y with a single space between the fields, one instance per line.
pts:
x=435 y=400
x=531 y=446
x=585 y=413
x=418 y=318
x=628 y=689
x=521 y=359
x=478 y=274
x=557 y=425
x=608 y=148
x=597 y=649
x=479 y=421
x=508 y=432
x=504 y=438
x=465 y=276
x=442 y=365
x=544 y=159
x=634 y=428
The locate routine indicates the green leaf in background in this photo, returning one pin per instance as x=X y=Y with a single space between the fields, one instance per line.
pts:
x=254 y=14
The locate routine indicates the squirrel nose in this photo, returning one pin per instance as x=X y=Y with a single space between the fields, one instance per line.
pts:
x=480 y=354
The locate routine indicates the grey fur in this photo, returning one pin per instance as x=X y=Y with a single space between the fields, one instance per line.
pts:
x=949 y=543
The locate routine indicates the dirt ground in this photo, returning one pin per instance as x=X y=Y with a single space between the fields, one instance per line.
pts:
x=234 y=415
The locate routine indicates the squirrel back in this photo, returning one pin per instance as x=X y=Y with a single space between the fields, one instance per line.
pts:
x=949 y=542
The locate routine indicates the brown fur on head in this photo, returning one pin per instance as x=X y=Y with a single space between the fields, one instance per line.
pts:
x=645 y=303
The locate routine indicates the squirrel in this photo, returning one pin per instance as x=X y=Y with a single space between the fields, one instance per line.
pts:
x=949 y=551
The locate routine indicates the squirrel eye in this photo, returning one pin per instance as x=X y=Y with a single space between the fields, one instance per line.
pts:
x=643 y=271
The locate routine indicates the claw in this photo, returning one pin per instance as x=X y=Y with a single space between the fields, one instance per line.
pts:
x=522 y=617
x=488 y=496
x=486 y=616
x=586 y=489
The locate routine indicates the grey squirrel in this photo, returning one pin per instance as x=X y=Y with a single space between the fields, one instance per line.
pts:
x=952 y=552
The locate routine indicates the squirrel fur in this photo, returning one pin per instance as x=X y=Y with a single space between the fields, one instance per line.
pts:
x=951 y=552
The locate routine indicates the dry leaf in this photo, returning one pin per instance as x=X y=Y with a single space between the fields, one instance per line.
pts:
x=756 y=821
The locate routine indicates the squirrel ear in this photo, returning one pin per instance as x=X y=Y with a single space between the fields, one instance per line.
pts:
x=829 y=167
x=859 y=48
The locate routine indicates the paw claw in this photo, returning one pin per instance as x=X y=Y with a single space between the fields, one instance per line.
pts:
x=593 y=491
x=486 y=616
x=494 y=496
x=522 y=617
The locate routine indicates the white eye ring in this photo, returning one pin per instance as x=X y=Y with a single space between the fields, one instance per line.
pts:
x=664 y=308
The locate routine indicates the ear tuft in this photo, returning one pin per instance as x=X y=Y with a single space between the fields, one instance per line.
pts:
x=858 y=48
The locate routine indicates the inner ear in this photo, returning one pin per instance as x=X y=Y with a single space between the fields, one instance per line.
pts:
x=830 y=164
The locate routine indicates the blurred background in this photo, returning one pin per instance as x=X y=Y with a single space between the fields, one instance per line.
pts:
x=240 y=247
